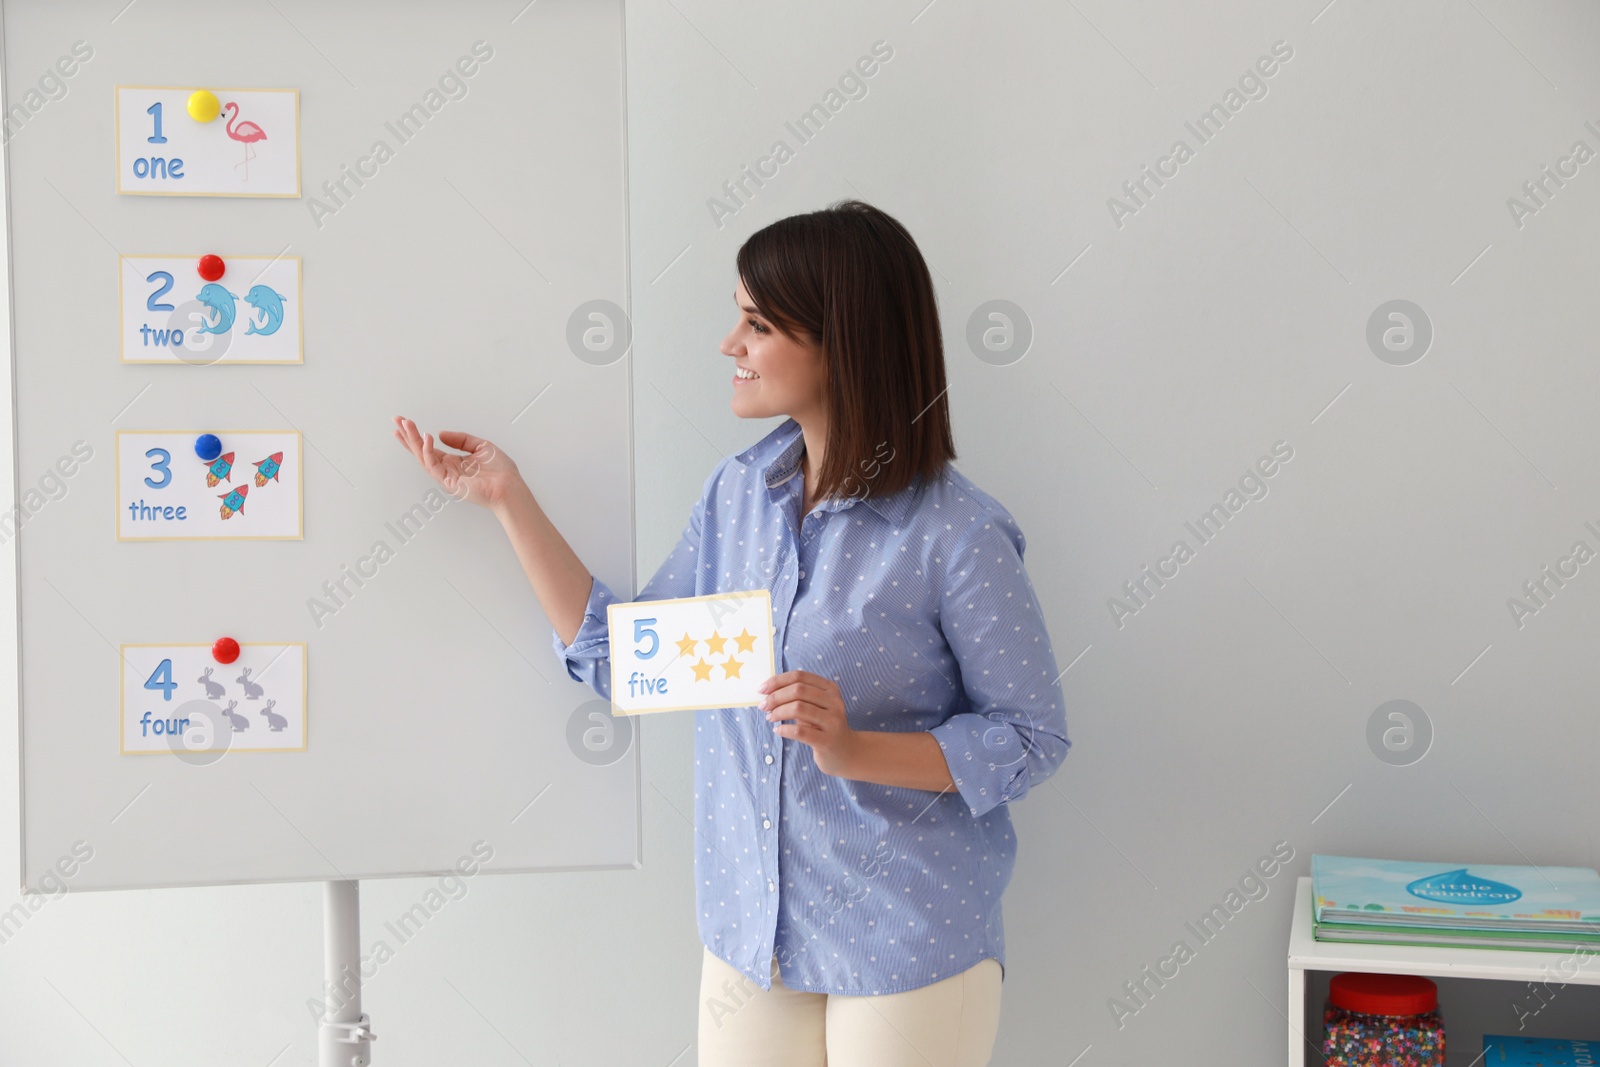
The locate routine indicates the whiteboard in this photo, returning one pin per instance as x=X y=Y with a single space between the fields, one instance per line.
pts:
x=447 y=286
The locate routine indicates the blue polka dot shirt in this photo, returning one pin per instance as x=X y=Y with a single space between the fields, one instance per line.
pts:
x=917 y=605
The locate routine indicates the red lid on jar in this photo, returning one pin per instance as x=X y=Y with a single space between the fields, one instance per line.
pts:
x=1383 y=994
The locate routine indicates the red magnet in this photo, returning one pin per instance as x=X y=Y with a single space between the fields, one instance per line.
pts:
x=211 y=267
x=226 y=650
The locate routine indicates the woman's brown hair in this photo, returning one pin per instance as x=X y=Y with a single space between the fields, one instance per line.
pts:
x=850 y=279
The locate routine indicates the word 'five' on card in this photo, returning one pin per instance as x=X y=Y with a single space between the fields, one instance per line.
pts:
x=690 y=653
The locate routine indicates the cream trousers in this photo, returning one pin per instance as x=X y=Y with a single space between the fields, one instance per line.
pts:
x=951 y=1023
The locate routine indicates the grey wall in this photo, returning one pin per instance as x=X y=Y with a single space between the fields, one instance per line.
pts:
x=1168 y=356
x=1226 y=314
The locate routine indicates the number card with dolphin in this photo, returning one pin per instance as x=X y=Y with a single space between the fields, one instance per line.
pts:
x=690 y=653
x=251 y=491
x=177 y=699
x=232 y=142
x=252 y=314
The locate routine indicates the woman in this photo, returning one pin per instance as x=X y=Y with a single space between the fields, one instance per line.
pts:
x=853 y=837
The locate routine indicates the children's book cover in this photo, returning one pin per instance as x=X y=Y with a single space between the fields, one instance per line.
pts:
x=1538 y=1051
x=1410 y=893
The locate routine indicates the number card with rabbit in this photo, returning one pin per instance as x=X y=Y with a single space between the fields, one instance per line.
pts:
x=177 y=699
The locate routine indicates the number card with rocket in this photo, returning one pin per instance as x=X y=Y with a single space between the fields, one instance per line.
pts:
x=205 y=309
x=179 y=699
x=236 y=484
x=197 y=141
x=690 y=653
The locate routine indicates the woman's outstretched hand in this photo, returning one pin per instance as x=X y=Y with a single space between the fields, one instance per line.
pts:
x=485 y=475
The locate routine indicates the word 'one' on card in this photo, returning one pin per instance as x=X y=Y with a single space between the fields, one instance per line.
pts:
x=205 y=309
x=178 y=699
x=196 y=141
x=249 y=488
x=690 y=653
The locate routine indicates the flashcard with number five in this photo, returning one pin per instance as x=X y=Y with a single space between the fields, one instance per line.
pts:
x=690 y=653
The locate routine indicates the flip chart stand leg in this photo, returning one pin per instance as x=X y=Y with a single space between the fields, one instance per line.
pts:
x=343 y=1039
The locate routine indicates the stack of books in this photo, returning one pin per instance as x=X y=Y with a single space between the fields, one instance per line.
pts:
x=1396 y=902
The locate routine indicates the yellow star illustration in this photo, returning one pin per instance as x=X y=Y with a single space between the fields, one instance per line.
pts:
x=746 y=640
x=686 y=646
x=730 y=667
x=702 y=671
x=715 y=642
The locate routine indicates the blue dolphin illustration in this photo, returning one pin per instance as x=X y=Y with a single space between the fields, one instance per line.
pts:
x=219 y=300
x=270 y=303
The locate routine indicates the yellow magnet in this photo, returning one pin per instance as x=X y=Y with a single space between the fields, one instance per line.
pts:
x=203 y=105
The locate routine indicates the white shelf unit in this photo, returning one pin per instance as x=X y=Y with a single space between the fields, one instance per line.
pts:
x=1308 y=954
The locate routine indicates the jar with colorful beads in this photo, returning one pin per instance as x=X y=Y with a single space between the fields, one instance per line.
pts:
x=1382 y=1020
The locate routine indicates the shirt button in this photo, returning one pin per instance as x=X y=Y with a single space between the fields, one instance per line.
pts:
x=771 y=887
x=802 y=574
x=766 y=824
x=769 y=759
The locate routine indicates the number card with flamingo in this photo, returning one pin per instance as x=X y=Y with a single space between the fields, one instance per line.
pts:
x=689 y=653
x=180 y=700
x=200 y=141
x=176 y=485
x=204 y=309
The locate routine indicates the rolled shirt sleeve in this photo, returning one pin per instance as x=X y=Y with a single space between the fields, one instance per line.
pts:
x=1015 y=735
x=588 y=657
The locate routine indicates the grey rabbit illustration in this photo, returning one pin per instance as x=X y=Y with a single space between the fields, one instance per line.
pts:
x=275 y=721
x=252 y=690
x=239 y=722
x=214 y=690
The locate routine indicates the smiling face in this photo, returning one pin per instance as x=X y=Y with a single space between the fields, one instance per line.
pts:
x=789 y=374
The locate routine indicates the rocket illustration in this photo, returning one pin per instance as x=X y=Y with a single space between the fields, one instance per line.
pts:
x=268 y=468
x=218 y=471
x=233 y=501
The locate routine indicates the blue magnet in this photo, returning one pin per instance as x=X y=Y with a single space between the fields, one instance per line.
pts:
x=207 y=447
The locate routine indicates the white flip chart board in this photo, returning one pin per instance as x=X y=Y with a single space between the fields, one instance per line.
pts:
x=412 y=216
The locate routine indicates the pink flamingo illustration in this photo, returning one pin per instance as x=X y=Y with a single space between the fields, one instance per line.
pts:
x=246 y=133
